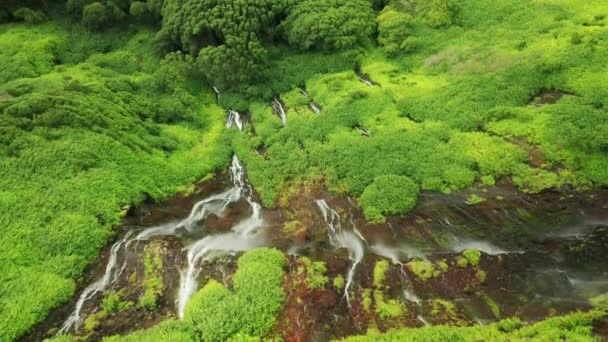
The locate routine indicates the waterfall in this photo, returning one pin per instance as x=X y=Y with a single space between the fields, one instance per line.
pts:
x=366 y=81
x=110 y=274
x=314 y=107
x=396 y=254
x=242 y=237
x=217 y=94
x=339 y=238
x=278 y=108
x=234 y=120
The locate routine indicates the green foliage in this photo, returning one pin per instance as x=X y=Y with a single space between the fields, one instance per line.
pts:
x=226 y=35
x=78 y=142
x=113 y=303
x=153 y=281
x=217 y=313
x=441 y=13
x=329 y=24
x=380 y=273
x=423 y=269
x=389 y=195
x=391 y=308
x=339 y=282
x=573 y=327
x=170 y=330
x=395 y=31
x=316 y=277
x=473 y=256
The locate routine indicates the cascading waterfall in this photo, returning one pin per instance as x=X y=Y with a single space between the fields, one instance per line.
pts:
x=277 y=106
x=395 y=255
x=366 y=81
x=234 y=120
x=240 y=238
x=215 y=204
x=340 y=238
x=314 y=107
x=74 y=320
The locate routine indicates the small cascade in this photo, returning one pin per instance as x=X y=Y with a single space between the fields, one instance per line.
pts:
x=110 y=274
x=303 y=92
x=314 y=107
x=217 y=94
x=482 y=246
x=340 y=238
x=242 y=237
x=424 y=321
x=364 y=132
x=365 y=80
x=278 y=108
x=396 y=255
x=234 y=120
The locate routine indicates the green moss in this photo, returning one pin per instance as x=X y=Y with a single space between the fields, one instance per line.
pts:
x=473 y=256
x=440 y=306
x=443 y=265
x=380 y=272
x=574 y=327
x=492 y=304
x=316 y=277
x=600 y=301
x=423 y=269
x=366 y=299
x=389 y=195
x=153 y=281
x=480 y=275
x=339 y=282
x=475 y=199
x=385 y=309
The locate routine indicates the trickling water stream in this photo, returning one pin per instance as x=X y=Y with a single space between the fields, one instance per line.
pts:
x=278 y=108
x=351 y=240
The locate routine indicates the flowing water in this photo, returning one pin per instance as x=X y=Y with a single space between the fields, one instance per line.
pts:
x=279 y=109
x=541 y=255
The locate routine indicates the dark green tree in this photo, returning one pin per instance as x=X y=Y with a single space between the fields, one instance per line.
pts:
x=330 y=24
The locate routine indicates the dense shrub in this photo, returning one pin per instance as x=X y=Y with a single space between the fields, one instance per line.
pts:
x=329 y=24
x=389 y=195
x=216 y=313
x=395 y=31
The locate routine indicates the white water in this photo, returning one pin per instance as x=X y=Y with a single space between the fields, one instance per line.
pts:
x=410 y=296
x=217 y=94
x=74 y=320
x=482 y=246
x=277 y=106
x=424 y=321
x=208 y=247
x=340 y=238
x=242 y=237
x=366 y=81
x=314 y=107
x=234 y=120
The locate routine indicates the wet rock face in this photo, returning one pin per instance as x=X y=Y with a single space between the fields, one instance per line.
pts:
x=449 y=262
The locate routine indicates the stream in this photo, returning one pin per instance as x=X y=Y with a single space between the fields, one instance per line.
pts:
x=540 y=255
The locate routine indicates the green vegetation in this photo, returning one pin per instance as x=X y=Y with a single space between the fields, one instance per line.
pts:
x=104 y=101
x=79 y=142
x=391 y=308
x=389 y=195
x=573 y=327
x=423 y=269
x=380 y=273
x=316 y=278
x=153 y=280
x=217 y=313
x=339 y=282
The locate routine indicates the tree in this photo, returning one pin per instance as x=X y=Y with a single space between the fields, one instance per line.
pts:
x=95 y=15
x=329 y=24
x=225 y=34
x=440 y=14
x=394 y=29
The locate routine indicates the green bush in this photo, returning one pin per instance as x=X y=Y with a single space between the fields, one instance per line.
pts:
x=389 y=195
x=217 y=314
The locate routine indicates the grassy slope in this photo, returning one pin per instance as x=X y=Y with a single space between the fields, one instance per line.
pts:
x=453 y=112
x=78 y=145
